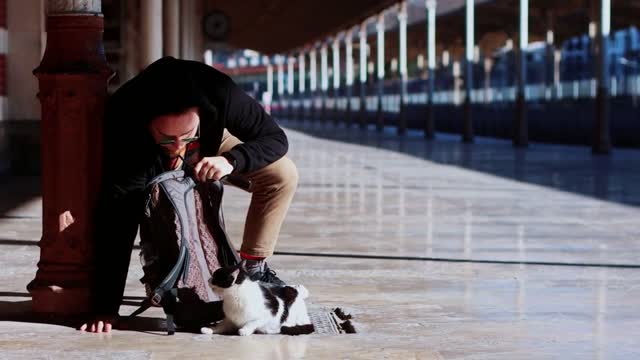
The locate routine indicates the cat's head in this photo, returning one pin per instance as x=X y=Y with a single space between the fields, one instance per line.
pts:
x=226 y=277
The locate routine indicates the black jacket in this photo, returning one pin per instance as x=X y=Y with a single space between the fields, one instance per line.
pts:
x=131 y=158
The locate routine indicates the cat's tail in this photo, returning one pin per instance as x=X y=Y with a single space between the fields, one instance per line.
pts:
x=297 y=329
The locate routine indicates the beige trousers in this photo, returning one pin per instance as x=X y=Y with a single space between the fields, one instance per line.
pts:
x=272 y=190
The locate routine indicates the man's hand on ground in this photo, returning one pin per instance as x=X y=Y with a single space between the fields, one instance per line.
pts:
x=212 y=168
x=98 y=325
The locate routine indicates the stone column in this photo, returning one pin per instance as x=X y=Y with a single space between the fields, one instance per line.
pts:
x=324 y=80
x=402 y=68
x=549 y=51
x=186 y=29
x=5 y=162
x=362 y=121
x=24 y=41
x=488 y=65
x=302 y=82
x=521 y=130
x=313 y=82
x=290 y=87
x=380 y=43
x=171 y=28
x=429 y=125
x=270 y=82
x=21 y=47
x=467 y=128
x=601 y=139
x=151 y=29
x=73 y=78
x=349 y=73
x=131 y=49
x=335 y=50
x=199 y=40
x=280 y=67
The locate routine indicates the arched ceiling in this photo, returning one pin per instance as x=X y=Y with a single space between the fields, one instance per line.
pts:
x=278 y=26
x=272 y=26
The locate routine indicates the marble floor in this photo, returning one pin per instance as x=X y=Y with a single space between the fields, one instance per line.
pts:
x=439 y=250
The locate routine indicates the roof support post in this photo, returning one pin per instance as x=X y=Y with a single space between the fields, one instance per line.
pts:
x=601 y=139
x=429 y=124
x=380 y=72
x=402 y=68
x=467 y=128
x=363 y=75
x=521 y=129
x=348 y=40
x=324 y=84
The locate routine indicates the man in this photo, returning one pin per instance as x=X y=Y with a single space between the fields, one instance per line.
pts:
x=151 y=125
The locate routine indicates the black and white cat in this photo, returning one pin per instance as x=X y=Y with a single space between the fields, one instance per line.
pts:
x=251 y=307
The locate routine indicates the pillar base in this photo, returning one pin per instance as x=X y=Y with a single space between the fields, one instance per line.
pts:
x=521 y=128
x=379 y=119
x=362 y=119
x=467 y=127
x=402 y=123
x=601 y=138
x=56 y=301
x=429 y=123
x=380 y=114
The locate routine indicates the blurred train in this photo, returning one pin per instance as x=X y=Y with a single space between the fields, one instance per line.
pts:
x=560 y=90
x=577 y=61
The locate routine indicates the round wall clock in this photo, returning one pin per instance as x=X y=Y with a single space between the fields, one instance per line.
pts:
x=216 y=25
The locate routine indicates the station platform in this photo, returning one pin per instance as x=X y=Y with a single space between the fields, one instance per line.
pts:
x=438 y=249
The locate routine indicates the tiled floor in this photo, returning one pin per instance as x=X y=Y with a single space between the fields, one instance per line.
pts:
x=439 y=250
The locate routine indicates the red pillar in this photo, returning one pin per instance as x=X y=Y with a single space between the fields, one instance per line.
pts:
x=3 y=55
x=73 y=77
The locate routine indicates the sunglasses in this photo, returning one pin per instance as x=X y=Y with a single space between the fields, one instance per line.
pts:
x=185 y=140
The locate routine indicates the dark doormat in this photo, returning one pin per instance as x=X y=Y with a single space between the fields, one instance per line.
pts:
x=334 y=321
x=328 y=321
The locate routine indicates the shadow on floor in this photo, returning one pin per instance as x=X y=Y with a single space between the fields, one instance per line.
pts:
x=20 y=311
x=35 y=243
x=15 y=191
x=573 y=169
x=18 y=242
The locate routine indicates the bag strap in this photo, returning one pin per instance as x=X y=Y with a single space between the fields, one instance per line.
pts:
x=167 y=286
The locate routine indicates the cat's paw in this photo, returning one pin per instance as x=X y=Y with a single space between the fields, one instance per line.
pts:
x=245 y=332
x=206 y=330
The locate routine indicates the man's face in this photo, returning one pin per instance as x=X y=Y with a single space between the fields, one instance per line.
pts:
x=173 y=132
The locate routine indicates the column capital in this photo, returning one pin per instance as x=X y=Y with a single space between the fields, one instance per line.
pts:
x=60 y=7
x=402 y=11
x=364 y=24
x=278 y=59
x=63 y=53
x=431 y=4
x=380 y=22
x=348 y=35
